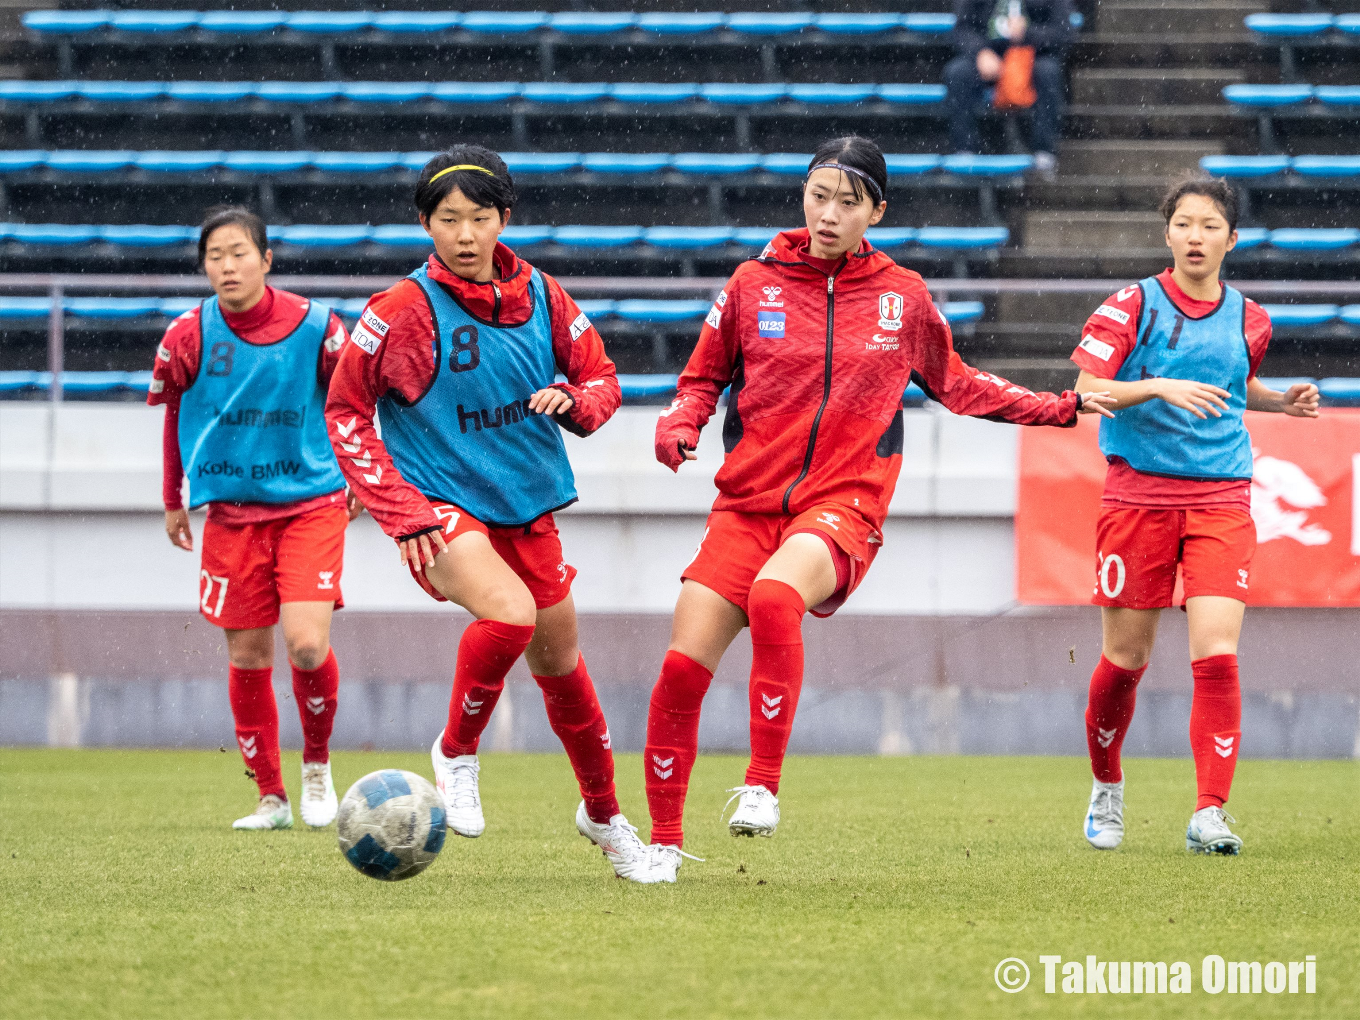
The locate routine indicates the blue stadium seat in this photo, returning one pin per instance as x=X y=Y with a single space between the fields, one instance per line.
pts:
x=66 y=22
x=962 y=237
x=349 y=308
x=600 y=308
x=541 y=162
x=1267 y=95
x=1314 y=240
x=147 y=236
x=597 y=237
x=929 y=24
x=687 y=238
x=171 y=161
x=21 y=159
x=957 y=312
x=385 y=91
x=416 y=21
x=831 y=94
x=111 y=308
x=121 y=91
x=647 y=385
x=12 y=382
x=768 y=24
x=1348 y=23
x=1301 y=315
x=267 y=162
x=650 y=310
x=754 y=237
x=792 y=164
x=504 y=22
x=681 y=24
x=858 y=24
x=716 y=162
x=25 y=307
x=1326 y=166
x=209 y=91
x=911 y=164
x=1350 y=314
x=648 y=92
x=625 y=162
x=153 y=21
x=1251 y=237
x=986 y=166
x=591 y=22
x=37 y=91
x=402 y=235
x=176 y=306
x=356 y=162
x=890 y=237
x=565 y=92
x=1288 y=25
x=324 y=237
x=911 y=95
x=913 y=396
x=1338 y=95
x=726 y=94
x=90 y=160
x=517 y=236
x=103 y=382
x=52 y=233
x=475 y=91
x=329 y=22
x=298 y=91
x=1244 y=166
x=416 y=160
x=1340 y=391
x=241 y=22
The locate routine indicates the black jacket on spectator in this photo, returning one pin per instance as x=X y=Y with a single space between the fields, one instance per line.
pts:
x=1049 y=31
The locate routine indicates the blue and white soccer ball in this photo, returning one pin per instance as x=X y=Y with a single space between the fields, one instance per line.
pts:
x=391 y=825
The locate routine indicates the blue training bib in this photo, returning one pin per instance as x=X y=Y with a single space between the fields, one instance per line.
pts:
x=471 y=439
x=252 y=426
x=1158 y=439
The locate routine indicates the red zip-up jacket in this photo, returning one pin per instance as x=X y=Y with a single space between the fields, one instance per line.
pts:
x=398 y=328
x=818 y=364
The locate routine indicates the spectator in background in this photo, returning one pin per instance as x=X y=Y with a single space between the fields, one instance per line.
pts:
x=983 y=31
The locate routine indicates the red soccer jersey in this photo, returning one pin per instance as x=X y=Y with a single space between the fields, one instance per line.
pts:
x=393 y=350
x=1110 y=334
x=275 y=316
x=817 y=370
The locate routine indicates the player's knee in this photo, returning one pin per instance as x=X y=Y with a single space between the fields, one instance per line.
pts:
x=513 y=607
x=1128 y=654
x=308 y=651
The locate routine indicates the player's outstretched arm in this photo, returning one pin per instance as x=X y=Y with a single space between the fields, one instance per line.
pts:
x=709 y=371
x=1200 y=399
x=591 y=394
x=1300 y=401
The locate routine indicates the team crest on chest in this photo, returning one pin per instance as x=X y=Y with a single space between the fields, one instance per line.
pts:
x=890 y=306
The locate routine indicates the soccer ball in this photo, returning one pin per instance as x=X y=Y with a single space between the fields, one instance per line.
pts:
x=391 y=825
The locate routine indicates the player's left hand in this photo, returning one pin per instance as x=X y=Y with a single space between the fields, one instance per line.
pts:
x=352 y=505
x=1301 y=400
x=550 y=401
x=1097 y=403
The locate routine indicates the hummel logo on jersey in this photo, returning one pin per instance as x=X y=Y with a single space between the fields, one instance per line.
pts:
x=771 y=297
x=366 y=461
x=771 y=707
x=829 y=519
x=325 y=576
x=1224 y=746
x=578 y=326
x=1106 y=737
x=346 y=430
x=376 y=477
x=316 y=705
x=1126 y=293
x=1241 y=578
x=353 y=447
x=606 y=741
x=662 y=764
x=248 y=747
x=336 y=340
x=471 y=707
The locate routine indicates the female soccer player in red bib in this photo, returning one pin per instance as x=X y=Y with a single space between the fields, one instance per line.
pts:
x=818 y=338
x=459 y=361
x=1178 y=352
x=243 y=379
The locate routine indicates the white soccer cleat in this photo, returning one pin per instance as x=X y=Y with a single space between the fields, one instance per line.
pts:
x=272 y=812
x=619 y=843
x=319 y=803
x=757 y=811
x=1105 y=816
x=663 y=861
x=1208 y=832
x=456 y=779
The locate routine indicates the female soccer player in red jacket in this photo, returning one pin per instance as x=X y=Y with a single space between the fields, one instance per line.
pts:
x=818 y=338
x=243 y=379
x=1179 y=353
x=459 y=361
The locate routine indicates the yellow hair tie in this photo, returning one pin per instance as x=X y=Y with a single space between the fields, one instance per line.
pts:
x=461 y=166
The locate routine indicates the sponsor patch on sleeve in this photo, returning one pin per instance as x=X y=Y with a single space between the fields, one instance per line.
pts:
x=579 y=326
x=722 y=299
x=374 y=324
x=714 y=316
x=1099 y=348
x=157 y=385
x=336 y=340
x=1111 y=312
x=163 y=352
x=365 y=340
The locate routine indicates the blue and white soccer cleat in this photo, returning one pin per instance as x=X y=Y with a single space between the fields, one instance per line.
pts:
x=271 y=813
x=1208 y=832
x=456 y=779
x=1105 y=816
x=757 y=811
x=319 y=804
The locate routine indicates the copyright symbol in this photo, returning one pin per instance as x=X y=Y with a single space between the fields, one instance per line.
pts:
x=1012 y=974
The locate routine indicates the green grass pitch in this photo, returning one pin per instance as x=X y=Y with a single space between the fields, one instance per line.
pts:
x=894 y=887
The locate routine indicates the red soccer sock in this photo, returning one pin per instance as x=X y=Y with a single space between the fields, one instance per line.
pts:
x=672 y=743
x=315 y=691
x=775 y=610
x=485 y=654
x=1215 y=727
x=1109 y=709
x=257 y=726
x=576 y=717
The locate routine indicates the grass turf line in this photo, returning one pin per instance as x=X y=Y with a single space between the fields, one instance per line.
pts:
x=893 y=888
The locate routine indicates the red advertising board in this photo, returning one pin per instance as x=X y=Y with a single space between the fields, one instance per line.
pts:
x=1305 y=501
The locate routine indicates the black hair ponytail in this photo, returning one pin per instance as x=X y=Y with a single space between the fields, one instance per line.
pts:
x=862 y=157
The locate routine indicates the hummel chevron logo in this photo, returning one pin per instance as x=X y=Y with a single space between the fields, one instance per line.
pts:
x=353 y=447
x=316 y=705
x=1106 y=737
x=346 y=430
x=662 y=764
x=376 y=477
x=248 y=747
x=1224 y=746
x=471 y=707
x=366 y=461
x=771 y=707
x=606 y=741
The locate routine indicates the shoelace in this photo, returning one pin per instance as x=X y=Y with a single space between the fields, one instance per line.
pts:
x=758 y=792
x=268 y=805
x=661 y=849
x=314 y=785
x=1221 y=816
x=623 y=840
x=1103 y=809
x=463 y=779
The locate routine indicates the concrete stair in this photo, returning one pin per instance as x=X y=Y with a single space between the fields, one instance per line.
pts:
x=1173 y=17
x=1094 y=231
x=1134 y=157
x=1149 y=86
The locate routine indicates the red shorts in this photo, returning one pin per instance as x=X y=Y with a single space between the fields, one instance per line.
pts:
x=1138 y=549
x=532 y=551
x=736 y=546
x=248 y=569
